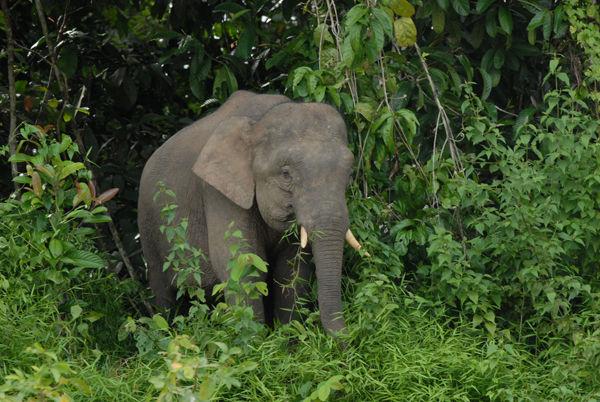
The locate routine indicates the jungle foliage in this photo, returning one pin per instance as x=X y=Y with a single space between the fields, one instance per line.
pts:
x=476 y=190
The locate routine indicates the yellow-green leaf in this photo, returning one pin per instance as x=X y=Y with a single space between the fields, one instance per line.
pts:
x=438 y=20
x=402 y=8
x=70 y=168
x=405 y=32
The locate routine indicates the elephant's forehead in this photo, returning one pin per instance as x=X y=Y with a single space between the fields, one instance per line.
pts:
x=304 y=120
x=307 y=151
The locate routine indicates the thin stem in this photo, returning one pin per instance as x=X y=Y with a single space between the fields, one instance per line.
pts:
x=10 y=53
x=454 y=152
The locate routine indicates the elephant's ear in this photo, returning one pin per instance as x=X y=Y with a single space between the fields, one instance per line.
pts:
x=225 y=161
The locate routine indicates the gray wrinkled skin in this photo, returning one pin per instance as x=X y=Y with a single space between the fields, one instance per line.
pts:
x=260 y=161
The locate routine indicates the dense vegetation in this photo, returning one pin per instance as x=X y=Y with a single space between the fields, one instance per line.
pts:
x=475 y=127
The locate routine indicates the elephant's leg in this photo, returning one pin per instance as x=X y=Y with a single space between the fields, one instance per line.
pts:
x=291 y=280
x=220 y=212
x=154 y=250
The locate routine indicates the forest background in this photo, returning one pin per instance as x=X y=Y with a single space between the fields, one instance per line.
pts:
x=476 y=190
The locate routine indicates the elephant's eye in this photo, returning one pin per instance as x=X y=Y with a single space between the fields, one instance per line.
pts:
x=285 y=173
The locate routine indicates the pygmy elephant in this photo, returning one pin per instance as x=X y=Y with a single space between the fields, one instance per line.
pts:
x=260 y=161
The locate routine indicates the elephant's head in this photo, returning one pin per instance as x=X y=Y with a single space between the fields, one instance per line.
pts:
x=295 y=161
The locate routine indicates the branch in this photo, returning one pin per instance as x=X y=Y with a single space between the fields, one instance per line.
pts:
x=454 y=152
x=10 y=52
x=51 y=49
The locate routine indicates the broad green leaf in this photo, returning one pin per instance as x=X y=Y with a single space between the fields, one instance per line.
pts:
x=262 y=288
x=386 y=131
x=487 y=84
x=547 y=24
x=56 y=247
x=505 y=19
x=238 y=269
x=443 y=4
x=365 y=109
x=378 y=37
x=19 y=158
x=245 y=41
x=405 y=32
x=499 y=58
x=83 y=259
x=257 y=262
x=218 y=287
x=69 y=168
x=76 y=311
x=355 y=14
x=409 y=122
x=461 y=7
x=402 y=8
x=438 y=19
x=385 y=20
x=536 y=21
x=321 y=35
x=491 y=24
x=160 y=322
x=323 y=391
x=483 y=5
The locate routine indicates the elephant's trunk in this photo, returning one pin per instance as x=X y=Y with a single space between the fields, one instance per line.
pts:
x=327 y=248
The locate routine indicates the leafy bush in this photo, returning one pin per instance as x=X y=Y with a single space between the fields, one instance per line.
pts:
x=475 y=131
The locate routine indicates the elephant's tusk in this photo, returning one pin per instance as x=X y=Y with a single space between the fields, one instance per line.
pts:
x=353 y=242
x=303 y=237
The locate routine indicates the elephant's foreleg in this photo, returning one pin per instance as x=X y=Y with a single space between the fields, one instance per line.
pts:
x=220 y=212
x=291 y=277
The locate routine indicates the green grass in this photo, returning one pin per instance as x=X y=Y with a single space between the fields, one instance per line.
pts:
x=398 y=352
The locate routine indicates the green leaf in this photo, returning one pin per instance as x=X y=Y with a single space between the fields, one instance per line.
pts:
x=491 y=24
x=438 y=19
x=536 y=21
x=505 y=19
x=160 y=322
x=69 y=168
x=218 y=287
x=443 y=4
x=487 y=84
x=83 y=259
x=405 y=32
x=245 y=41
x=461 y=7
x=257 y=262
x=402 y=8
x=322 y=35
x=365 y=109
x=76 y=311
x=238 y=269
x=262 y=288
x=323 y=391
x=547 y=24
x=499 y=58
x=19 y=158
x=385 y=21
x=483 y=5
x=56 y=247
x=355 y=14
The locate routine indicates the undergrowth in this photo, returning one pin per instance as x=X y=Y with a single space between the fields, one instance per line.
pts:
x=482 y=285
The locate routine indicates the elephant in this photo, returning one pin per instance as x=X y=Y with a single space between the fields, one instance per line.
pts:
x=261 y=161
